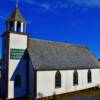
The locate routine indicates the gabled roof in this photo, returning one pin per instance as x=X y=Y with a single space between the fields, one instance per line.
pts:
x=46 y=55
x=16 y=16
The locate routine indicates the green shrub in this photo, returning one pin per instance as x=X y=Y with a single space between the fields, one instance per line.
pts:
x=54 y=97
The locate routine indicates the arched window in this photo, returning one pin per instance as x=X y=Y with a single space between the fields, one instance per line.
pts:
x=17 y=81
x=75 y=78
x=58 y=80
x=18 y=26
x=89 y=77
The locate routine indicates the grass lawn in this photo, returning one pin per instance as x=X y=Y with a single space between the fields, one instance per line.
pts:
x=89 y=94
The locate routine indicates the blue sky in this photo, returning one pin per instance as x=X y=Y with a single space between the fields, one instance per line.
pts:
x=74 y=21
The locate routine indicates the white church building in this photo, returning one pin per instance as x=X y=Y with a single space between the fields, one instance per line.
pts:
x=41 y=68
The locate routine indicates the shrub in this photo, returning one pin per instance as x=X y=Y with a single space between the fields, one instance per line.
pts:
x=54 y=97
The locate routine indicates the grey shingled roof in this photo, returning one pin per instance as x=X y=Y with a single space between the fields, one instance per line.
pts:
x=46 y=55
x=16 y=16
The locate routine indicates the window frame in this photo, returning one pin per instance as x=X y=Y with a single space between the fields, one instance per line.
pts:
x=89 y=76
x=75 y=78
x=58 y=79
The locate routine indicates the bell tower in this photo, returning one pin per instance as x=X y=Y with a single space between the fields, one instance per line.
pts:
x=16 y=22
x=14 y=66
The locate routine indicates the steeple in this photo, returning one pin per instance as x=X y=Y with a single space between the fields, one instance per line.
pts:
x=16 y=22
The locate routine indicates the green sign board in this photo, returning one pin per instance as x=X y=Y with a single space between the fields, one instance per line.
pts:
x=17 y=54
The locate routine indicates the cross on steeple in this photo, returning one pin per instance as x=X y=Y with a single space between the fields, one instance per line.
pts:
x=16 y=3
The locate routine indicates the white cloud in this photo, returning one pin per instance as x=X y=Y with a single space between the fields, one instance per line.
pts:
x=89 y=3
x=45 y=6
x=59 y=4
x=64 y=3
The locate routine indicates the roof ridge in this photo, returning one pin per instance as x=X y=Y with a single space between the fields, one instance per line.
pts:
x=48 y=41
x=81 y=46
